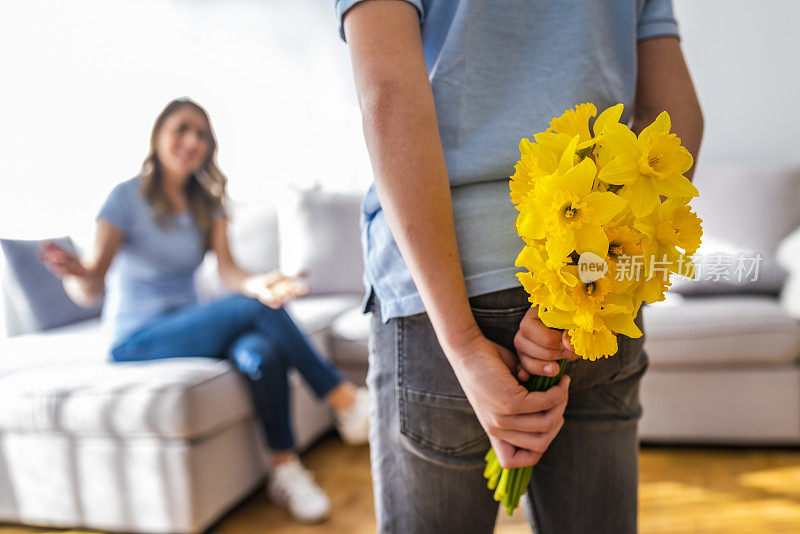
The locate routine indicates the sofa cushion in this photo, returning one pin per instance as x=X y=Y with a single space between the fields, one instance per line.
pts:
x=35 y=294
x=62 y=381
x=317 y=312
x=181 y=398
x=319 y=234
x=349 y=338
x=720 y=331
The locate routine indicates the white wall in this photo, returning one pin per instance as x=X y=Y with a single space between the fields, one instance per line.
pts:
x=82 y=81
x=743 y=56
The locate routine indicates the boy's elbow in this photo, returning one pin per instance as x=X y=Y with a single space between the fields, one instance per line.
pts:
x=699 y=121
x=380 y=96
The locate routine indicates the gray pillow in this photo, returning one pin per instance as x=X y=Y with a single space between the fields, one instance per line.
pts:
x=35 y=294
x=723 y=268
x=769 y=280
x=746 y=212
x=319 y=233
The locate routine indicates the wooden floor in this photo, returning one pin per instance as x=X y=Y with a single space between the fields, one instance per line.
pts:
x=682 y=491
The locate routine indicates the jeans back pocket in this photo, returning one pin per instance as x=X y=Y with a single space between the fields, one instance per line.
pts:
x=436 y=419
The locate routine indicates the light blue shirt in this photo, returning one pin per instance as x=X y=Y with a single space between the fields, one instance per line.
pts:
x=500 y=71
x=153 y=272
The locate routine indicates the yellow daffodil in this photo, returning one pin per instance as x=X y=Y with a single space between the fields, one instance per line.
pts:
x=547 y=281
x=588 y=297
x=581 y=187
x=647 y=166
x=672 y=234
x=590 y=213
x=593 y=337
x=590 y=334
x=565 y=209
x=536 y=160
x=623 y=241
x=651 y=289
x=576 y=122
x=593 y=343
x=625 y=256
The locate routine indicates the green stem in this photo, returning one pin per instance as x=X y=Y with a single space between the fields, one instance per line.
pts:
x=500 y=492
x=510 y=484
x=512 y=481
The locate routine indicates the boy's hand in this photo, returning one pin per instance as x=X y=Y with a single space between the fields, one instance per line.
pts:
x=520 y=424
x=539 y=347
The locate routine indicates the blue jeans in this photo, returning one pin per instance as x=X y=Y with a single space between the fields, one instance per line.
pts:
x=262 y=342
x=427 y=446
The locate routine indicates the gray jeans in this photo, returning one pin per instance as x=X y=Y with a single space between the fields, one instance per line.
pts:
x=427 y=446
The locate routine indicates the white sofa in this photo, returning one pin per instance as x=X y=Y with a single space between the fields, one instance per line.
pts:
x=168 y=446
x=724 y=364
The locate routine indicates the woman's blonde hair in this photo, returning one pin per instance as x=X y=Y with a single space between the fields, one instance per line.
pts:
x=205 y=188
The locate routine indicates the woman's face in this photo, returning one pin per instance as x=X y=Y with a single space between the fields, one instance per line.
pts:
x=183 y=142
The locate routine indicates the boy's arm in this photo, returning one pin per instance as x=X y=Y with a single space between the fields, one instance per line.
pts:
x=664 y=84
x=402 y=137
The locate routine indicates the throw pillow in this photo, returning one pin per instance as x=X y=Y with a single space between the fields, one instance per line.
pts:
x=319 y=234
x=35 y=294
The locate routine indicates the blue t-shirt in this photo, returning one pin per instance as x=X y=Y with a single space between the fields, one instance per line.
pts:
x=153 y=272
x=500 y=71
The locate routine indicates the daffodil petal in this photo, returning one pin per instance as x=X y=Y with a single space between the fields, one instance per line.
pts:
x=558 y=249
x=592 y=238
x=603 y=206
x=567 y=278
x=592 y=345
x=619 y=139
x=676 y=185
x=580 y=178
x=530 y=224
x=662 y=124
x=558 y=244
x=555 y=318
x=529 y=257
x=641 y=195
x=608 y=116
x=619 y=171
x=553 y=143
x=688 y=160
x=623 y=324
x=568 y=157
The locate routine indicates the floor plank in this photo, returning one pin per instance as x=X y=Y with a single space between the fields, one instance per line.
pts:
x=682 y=491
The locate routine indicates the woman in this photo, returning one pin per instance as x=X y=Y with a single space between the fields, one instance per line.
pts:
x=158 y=226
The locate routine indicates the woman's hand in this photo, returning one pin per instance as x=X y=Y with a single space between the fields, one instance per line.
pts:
x=520 y=424
x=84 y=285
x=275 y=289
x=61 y=262
x=539 y=347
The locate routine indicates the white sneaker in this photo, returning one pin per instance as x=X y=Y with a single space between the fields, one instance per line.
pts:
x=293 y=488
x=353 y=423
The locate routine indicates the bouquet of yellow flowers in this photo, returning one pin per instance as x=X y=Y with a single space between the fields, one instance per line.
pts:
x=605 y=218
